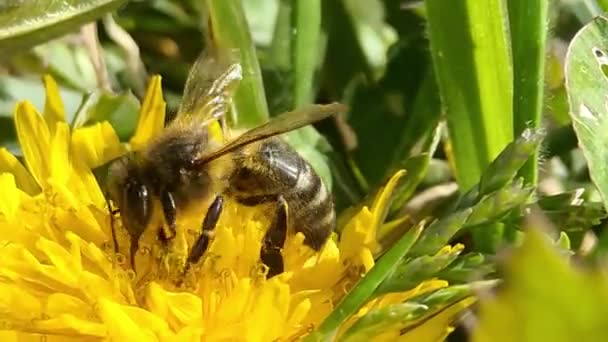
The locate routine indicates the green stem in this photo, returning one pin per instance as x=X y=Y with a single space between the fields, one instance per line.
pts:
x=366 y=287
x=471 y=58
x=231 y=31
x=528 y=22
x=305 y=48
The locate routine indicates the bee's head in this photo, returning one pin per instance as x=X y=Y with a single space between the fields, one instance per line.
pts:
x=131 y=193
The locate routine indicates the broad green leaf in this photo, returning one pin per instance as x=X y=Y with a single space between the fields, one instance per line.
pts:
x=373 y=34
x=121 y=110
x=587 y=85
x=477 y=95
x=424 y=117
x=70 y=64
x=545 y=299
x=262 y=19
x=13 y=89
x=398 y=114
x=528 y=26
x=33 y=22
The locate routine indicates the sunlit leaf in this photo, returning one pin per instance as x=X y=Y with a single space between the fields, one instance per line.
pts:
x=545 y=299
x=587 y=85
x=33 y=22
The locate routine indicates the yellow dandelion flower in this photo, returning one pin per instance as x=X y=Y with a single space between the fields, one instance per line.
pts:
x=61 y=279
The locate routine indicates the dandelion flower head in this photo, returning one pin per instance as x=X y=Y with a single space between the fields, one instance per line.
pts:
x=61 y=279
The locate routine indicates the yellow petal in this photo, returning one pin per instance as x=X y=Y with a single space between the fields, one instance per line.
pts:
x=121 y=326
x=97 y=144
x=178 y=309
x=151 y=115
x=9 y=163
x=69 y=325
x=382 y=201
x=53 y=106
x=11 y=198
x=34 y=139
x=61 y=166
x=361 y=229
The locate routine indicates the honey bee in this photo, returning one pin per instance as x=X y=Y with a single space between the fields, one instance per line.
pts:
x=184 y=169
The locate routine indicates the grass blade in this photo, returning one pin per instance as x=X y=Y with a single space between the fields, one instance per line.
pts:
x=305 y=48
x=476 y=93
x=366 y=287
x=230 y=31
x=528 y=23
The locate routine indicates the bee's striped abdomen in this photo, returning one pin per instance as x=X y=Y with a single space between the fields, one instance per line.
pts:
x=272 y=168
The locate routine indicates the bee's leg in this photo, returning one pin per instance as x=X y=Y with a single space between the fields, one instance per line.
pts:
x=112 y=212
x=132 y=251
x=209 y=223
x=170 y=212
x=274 y=239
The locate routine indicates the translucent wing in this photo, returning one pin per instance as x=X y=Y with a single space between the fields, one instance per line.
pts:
x=209 y=88
x=285 y=122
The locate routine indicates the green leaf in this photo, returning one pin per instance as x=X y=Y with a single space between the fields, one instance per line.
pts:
x=413 y=320
x=467 y=267
x=372 y=33
x=33 y=22
x=491 y=207
x=416 y=167
x=439 y=233
x=230 y=31
x=70 y=64
x=477 y=94
x=504 y=168
x=587 y=85
x=528 y=27
x=262 y=19
x=121 y=110
x=379 y=320
x=545 y=299
x=413 y=272
x=364 y=289
x=14 y=89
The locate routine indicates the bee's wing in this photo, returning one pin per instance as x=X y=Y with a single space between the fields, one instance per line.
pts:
x=209 y=88
x=282 y=123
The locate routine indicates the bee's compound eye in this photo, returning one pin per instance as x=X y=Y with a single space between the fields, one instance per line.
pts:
x=137 y=207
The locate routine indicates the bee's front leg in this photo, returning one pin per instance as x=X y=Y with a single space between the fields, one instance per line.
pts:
x=209 y=223
x=170 y=213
